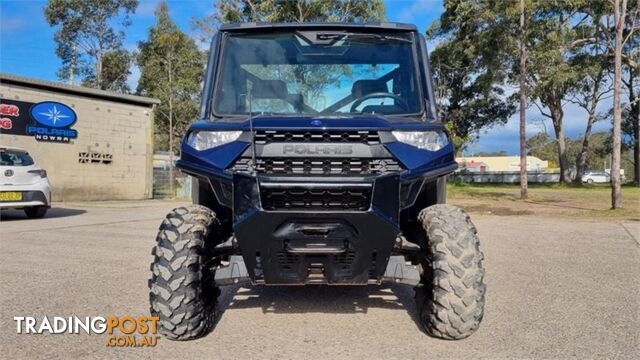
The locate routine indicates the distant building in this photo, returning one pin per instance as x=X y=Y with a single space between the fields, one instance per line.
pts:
x=473 y=166
x=94 y=144
x=500 y=163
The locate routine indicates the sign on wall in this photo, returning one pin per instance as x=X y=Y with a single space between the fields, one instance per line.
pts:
x=46 y=121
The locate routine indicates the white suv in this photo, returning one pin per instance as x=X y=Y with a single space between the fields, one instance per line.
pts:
x=23 y=184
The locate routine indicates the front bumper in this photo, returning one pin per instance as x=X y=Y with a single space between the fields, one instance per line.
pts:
x=289 y=247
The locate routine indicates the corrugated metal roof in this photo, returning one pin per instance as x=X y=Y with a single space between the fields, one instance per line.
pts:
x=76 y=90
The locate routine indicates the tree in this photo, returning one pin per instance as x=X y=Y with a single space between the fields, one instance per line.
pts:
x=631 y=120
x=87 y=43
x=116 y=69
x=555 y=36
x=236 y=11
x=588 y=93
x=492 y=153
x=543 y=147
x=523 y=102
x=171 y=69
x=619 y=14
x=471 y=63
x=631 y=81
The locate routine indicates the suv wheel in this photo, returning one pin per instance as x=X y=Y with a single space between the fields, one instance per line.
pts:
x=451 y=300
x=36 y=212
x=182 y=293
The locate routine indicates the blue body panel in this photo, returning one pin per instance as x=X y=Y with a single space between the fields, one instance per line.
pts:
x=418 y=162
x=212 y=161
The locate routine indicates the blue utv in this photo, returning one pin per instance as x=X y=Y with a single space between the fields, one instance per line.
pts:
x=318 y=159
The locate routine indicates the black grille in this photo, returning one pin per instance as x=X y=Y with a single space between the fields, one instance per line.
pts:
x=344 y=261
x=319 y=166
x=287 y=260
x=300 y=198
x=364 y=137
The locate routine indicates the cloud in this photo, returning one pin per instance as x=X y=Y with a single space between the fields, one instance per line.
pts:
x=507 y=137
x=12 y=24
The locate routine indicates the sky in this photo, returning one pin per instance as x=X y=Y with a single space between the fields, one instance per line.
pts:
x=27 y=49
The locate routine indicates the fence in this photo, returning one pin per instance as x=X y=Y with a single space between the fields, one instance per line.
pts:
x=161 y=188
x=504 y=177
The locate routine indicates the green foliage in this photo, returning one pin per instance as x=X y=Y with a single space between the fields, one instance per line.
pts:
x=568 y=46
x=171 y=69
x=237 y=11
x=493 y=153
x=543 y=147
x=471 y=65
x=87 y=43
x=116 y=66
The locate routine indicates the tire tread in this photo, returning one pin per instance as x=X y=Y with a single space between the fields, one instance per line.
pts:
x=452 y=298
x=178 y=292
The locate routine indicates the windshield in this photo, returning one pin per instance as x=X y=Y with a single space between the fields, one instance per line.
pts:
x=14 y=158
x=317 y=73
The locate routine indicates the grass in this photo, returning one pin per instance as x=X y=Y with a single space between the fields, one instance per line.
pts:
x=591 y=201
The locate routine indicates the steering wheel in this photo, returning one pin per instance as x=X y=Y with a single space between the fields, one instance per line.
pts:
x=376 y=95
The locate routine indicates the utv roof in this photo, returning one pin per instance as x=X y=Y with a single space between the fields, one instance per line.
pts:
x=318 y=25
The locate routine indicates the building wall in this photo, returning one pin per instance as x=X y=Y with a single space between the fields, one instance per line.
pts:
x=507 y=163
x=80 y=170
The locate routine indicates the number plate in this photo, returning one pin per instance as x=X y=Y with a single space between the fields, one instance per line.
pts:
x=10 y=196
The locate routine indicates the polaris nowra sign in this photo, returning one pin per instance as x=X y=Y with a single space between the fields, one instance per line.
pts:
x=53 y=122
x=46 y=121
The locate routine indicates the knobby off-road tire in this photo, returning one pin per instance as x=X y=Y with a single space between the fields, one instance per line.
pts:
x=182 y=293
x=451 y=301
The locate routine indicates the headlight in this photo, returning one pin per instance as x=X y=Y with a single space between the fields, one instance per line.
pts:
x=427 y=140
x=203 y=140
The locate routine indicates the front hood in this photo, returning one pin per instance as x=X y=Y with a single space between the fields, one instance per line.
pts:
x=369 y=122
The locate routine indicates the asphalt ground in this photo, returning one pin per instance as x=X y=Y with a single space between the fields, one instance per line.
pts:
x=556 y=288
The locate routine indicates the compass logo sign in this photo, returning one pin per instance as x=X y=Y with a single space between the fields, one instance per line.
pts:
x=54 y=121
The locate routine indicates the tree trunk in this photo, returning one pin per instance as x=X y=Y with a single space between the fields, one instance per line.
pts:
x=581 y=158
x=616 y=191
x=557 y=115
x=591 y=106
x=523 y=104
x=170 y=130
x=99 y=73
x=635 y=125
x=636 y=143
x=565 y=171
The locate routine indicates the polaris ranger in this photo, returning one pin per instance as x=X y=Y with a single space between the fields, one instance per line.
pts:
x=318 y=159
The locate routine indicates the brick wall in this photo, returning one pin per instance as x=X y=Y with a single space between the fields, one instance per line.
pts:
x=111 y=159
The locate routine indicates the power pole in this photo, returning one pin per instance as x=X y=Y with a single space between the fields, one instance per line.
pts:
x=523 y=105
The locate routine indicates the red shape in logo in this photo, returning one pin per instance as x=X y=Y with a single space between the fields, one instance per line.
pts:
x=6 y=123
x=9 y=110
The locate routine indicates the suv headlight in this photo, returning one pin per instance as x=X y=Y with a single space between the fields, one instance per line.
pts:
x=427 y=140
x=203 y=140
